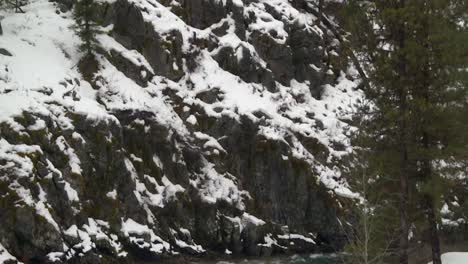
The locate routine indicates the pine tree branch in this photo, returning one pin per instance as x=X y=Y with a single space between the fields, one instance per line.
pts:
x=15 y=5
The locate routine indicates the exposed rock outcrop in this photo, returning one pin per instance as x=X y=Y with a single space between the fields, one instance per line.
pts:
x=211 y=127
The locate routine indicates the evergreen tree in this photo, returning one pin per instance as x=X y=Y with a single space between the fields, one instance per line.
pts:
x=439 y=65
x=87 y=29
x=414 y=129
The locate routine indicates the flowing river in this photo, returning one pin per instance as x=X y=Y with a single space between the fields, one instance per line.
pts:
x=296 y=259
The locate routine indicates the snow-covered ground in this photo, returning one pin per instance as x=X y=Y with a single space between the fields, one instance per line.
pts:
x=454 y=258
x=5 y=255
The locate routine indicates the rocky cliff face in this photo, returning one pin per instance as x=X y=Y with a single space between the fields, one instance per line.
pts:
x=211 y=127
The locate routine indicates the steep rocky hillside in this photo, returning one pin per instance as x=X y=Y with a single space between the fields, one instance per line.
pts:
x=211 y=127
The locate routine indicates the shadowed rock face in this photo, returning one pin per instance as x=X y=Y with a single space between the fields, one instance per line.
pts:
x=282 y=192
x=302 y=55
x=162 y=52
x=132 y=186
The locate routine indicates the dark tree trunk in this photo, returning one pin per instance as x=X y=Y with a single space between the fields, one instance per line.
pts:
x=427 y=172
x=429 y=208
x=403 y=140
x=404 y=196
x=88 y=30
x=428 y=202
x=433 y=232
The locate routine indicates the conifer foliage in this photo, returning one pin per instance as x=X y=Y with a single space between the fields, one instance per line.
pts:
x=16 y=5
x=87 y=28
x=414 y=128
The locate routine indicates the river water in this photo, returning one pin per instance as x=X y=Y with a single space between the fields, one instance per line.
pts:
x=296 y=259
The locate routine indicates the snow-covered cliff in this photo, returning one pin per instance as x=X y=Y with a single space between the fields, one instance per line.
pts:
x=211 y=127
